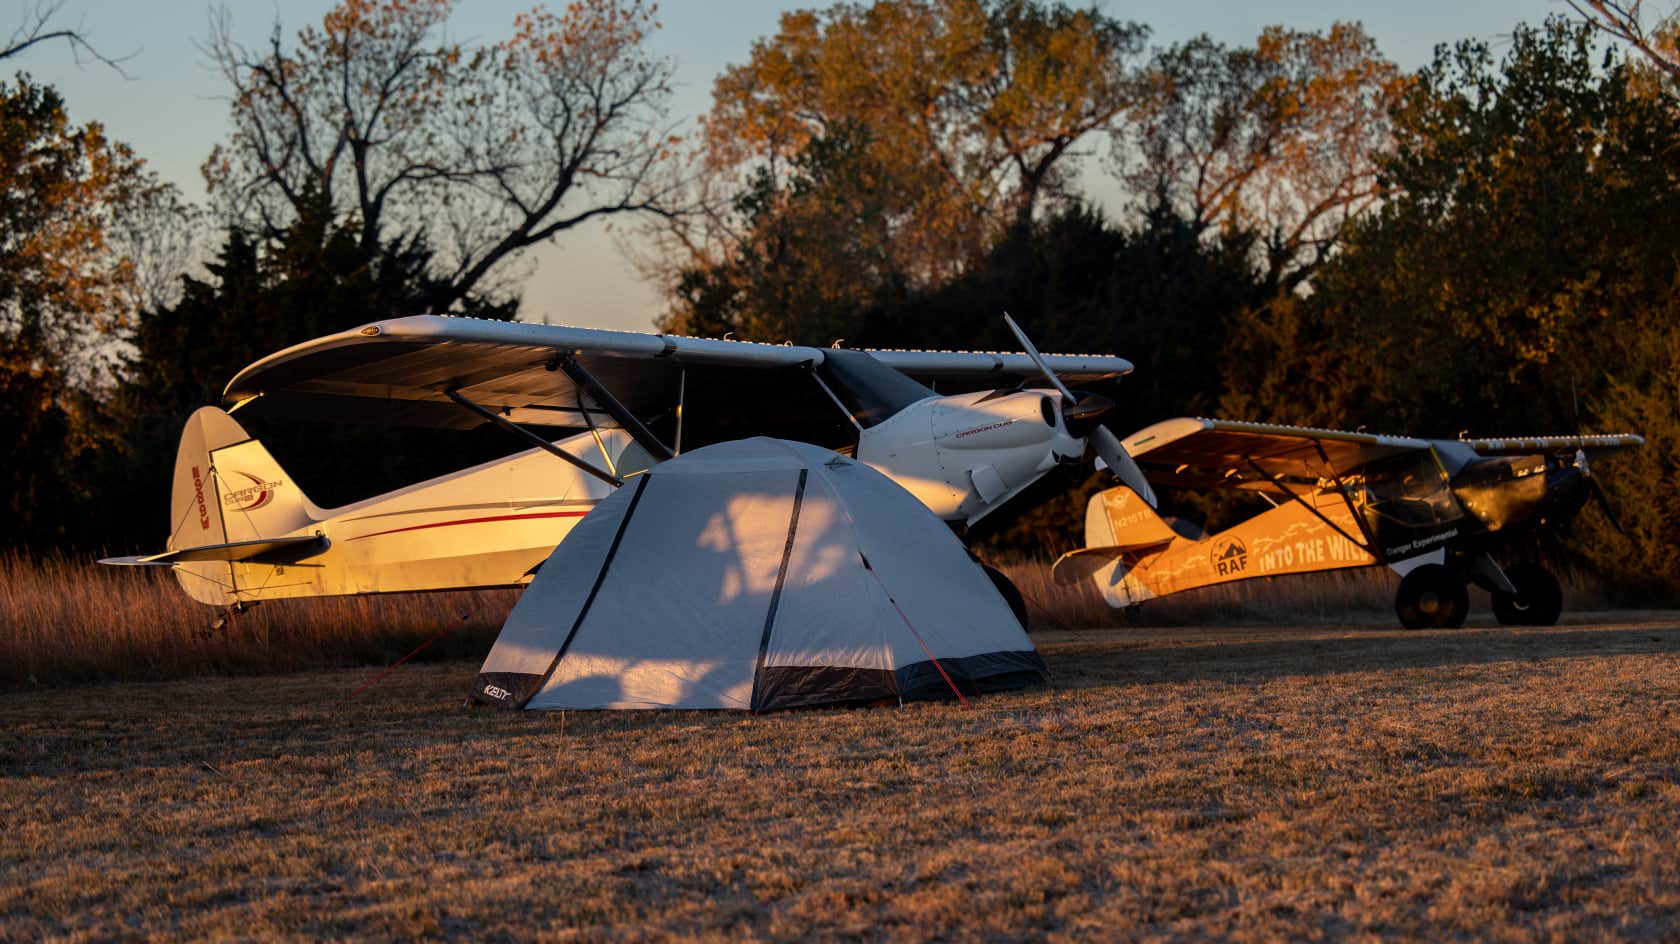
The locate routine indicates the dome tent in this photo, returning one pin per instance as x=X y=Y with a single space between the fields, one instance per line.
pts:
x=753 y=575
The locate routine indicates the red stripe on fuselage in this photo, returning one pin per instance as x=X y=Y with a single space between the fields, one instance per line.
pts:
x=448 y=524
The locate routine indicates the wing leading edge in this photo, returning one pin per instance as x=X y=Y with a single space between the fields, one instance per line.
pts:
x=1553 y=445
x=1197 y=452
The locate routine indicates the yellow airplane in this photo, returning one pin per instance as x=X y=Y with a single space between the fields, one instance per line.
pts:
x=1444 y=513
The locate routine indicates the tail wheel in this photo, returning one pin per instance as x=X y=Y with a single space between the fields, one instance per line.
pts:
x=1011 y=596
x=1537 y=602
x=1432 y=597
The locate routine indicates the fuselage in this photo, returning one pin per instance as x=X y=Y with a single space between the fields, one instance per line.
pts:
x=963 y=456
x=487 y=526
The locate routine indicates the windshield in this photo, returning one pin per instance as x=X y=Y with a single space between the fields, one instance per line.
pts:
x=1409 y=489
x=871 y=390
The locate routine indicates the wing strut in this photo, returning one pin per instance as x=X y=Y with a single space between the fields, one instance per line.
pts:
x=643 y=436
x=534 y=439
x=682 y=397
x=1358 y=519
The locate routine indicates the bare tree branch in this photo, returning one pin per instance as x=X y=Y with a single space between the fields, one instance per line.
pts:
x=1626 y=22
x=34 y=31
x=482 y=152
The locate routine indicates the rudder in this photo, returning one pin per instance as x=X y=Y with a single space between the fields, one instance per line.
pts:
x=227 y=488
x=1119 y=526
x=1119 y=517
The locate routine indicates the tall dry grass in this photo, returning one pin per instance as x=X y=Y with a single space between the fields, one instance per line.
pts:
x=1361 y=596
x=66 y=620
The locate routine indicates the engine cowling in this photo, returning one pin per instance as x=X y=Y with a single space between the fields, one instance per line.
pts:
x=964 y=456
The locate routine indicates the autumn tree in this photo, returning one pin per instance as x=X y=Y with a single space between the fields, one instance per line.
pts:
x=482 y=151
x=885 y=148
x=1279 y=139
x=786 y=273
x=67 y=290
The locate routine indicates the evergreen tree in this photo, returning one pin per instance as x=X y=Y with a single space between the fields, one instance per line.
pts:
x=262 y=296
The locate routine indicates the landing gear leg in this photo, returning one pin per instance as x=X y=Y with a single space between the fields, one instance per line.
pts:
x=1537 y=602
x=1432 y=597
x=227 y=616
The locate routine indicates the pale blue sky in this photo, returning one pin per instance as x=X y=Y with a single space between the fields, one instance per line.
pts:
x=171 y=112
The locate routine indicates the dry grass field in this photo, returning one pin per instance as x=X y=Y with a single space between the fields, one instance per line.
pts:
x=1249 y=783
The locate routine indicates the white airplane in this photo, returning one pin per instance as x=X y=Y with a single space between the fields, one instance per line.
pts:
x=243 y=531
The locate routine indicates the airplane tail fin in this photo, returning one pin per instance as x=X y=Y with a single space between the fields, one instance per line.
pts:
x=228 y=492
x=1120 y=529
x=1120 y=518
x=228 y=488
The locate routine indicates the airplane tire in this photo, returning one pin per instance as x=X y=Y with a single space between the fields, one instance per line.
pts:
x=1011 y=595
x=1431 y=597
x=1537 y=602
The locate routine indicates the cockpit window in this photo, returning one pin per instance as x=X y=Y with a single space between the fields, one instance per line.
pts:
x=1409 y=489
x=871 y=390
x=1499 y=469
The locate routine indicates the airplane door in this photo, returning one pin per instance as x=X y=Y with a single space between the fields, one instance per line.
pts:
x=1409 y=505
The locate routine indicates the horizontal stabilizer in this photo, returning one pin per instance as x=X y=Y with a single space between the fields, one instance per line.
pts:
x=282 y=549
x=1075 y=566
x=137 y=560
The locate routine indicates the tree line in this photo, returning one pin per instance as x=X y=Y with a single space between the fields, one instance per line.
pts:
x=1296 y=230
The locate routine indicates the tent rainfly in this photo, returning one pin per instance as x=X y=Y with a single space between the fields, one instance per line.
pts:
x=754 y=575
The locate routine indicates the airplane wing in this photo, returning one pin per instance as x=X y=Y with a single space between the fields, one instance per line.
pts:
x=1194 y=452
x=1555 y=445
x=402 y=371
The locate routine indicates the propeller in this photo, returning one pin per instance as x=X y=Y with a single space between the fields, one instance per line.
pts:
x=1586 y=472
x=1596 y=489
x=1079 y=410
x=1604 y=505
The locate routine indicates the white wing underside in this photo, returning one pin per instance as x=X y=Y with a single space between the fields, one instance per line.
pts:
x=400 y=371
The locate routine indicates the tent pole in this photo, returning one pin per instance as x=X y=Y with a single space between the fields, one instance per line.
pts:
x=776 y=594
